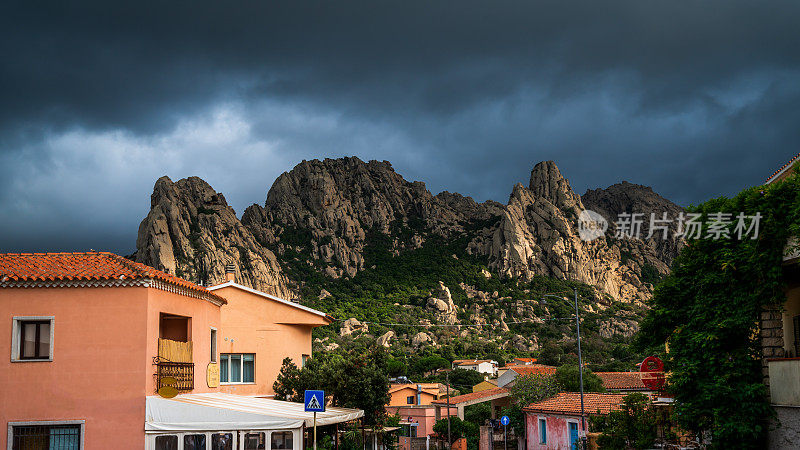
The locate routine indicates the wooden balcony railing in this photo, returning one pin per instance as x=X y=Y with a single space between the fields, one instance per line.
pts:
x=174 y=360
x=183 y=373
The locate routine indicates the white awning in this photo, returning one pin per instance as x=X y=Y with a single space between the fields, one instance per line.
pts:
x=214 y=411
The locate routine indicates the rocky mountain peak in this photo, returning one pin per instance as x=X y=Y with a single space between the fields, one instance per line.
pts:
x=324 y=214
x=548 y=183
x=191 y=232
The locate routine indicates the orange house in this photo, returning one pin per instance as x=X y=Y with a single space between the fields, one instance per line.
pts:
x=258 y=331
x=93 y=336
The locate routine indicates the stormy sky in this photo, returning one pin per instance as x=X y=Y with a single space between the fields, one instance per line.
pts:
x=696 y=99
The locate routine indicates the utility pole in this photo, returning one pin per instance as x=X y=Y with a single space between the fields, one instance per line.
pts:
x=580 y=366
x=447 y=380
x=580 y=357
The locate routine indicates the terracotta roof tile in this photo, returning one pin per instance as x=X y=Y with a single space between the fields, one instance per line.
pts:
x=791 y=161
x=87 y=266
x=460 y=362
x=622 y=380
x=569 y=403
x=533 y=369
x=471 y=396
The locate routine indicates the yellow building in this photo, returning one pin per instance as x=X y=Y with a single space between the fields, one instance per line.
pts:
x=485 y=385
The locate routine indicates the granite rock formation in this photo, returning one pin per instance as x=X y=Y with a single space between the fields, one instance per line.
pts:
x=327 y=212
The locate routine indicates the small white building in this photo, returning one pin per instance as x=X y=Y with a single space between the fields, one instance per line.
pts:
x=486 y=366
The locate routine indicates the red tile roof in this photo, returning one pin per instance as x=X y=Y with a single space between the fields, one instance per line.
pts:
x=467 y=362
x=569 y=403
x=528 y=360
x=791 y=161
x=87 y=266
x=622 y=380
x=472 y=396
x=533 y=369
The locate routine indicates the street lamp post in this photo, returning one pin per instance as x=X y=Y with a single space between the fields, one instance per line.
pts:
x=580 y=359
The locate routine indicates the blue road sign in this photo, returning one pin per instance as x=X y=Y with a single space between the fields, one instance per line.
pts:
x=315 y=401
x=505 y=420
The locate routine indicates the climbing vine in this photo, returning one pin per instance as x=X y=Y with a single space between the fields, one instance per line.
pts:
x=707 y=311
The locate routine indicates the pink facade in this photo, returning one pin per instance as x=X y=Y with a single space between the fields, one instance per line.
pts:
x=104 y=341
x=557 y=435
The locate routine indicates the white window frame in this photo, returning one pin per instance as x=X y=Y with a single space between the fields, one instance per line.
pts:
x=37 y=423
x=213 y=339
x=542 y=439
x=16 y=335
x=241 y=368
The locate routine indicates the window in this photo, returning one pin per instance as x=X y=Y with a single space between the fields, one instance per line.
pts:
x=168 y=442
x=32 y=339
x=281 y=440
x=237 y=368
x=222 y=441
x=304 y=360
x=194 y=442
x=47 y=435
x=213 y=345
x=542 y=431
x=254 y=441
x=410 y=399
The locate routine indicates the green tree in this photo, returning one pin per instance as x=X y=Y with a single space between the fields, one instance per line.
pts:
x=708 y=310
x=458 y=429
x=464 y=380
x=528 y=389
x=633 y=427
x=351 y=380
x=430 y=363
x=568 y=378
x=285 y=385
x=551 y=354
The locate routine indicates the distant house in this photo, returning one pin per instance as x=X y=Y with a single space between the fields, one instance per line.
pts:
x=412 y=402
x=415 y=393
x=499 y=398
x=486 y=366
x=509 y=376
x=524 y=361
x=555 y=423
x=623 y=382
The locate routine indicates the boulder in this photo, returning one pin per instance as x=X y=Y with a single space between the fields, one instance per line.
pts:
x=384 y=340
x=351 y=326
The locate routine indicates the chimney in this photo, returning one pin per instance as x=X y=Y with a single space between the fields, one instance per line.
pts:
x=230 y=272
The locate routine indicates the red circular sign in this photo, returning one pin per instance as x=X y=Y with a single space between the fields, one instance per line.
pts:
x=652 y=369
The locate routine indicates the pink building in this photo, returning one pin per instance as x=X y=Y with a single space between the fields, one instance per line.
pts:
x=555 y=423
x=94 y=336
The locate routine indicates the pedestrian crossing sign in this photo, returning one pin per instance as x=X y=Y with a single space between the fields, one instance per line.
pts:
x=315 y=401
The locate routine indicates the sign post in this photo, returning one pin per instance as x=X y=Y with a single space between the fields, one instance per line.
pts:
x=314 y=402
x=505 y=421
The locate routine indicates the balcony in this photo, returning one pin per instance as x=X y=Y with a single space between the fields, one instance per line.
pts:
x=784 y=381
x=174 y=360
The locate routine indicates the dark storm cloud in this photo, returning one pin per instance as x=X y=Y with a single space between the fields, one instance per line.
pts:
x=696 y=99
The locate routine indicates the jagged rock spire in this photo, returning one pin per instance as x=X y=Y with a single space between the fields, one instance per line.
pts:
x=548 y=183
